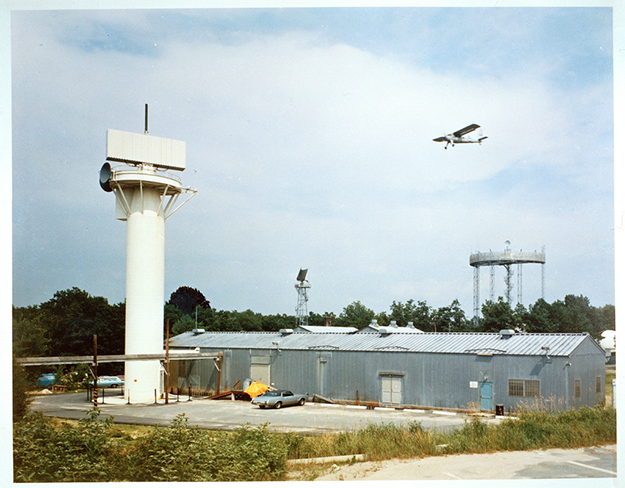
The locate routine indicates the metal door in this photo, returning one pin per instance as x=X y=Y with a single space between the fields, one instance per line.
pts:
x=391 y=390
x=486 y=394
x=260 y=372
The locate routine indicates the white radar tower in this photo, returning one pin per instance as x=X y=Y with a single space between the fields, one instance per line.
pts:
x=146 y=195
x=302 y=298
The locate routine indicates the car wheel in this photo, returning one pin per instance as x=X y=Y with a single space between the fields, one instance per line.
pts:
x=302 y=401
x=278 y=405
x=261 y=406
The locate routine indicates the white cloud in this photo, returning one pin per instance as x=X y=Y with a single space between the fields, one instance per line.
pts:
x=311 y=154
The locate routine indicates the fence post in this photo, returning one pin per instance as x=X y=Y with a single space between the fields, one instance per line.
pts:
x=613 y=392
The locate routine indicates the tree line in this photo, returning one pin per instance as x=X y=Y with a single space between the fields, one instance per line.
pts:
x=65 y=324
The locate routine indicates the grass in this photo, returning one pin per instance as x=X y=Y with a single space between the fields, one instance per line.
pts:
x=117 y=452
x=532 y=430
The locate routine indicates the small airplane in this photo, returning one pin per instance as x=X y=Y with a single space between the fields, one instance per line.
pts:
x=458 y=137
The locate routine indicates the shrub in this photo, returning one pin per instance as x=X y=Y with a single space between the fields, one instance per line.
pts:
x=21 y=399
x=375 y=441
x=184 y=453
x=537 y=430
x=43 y=451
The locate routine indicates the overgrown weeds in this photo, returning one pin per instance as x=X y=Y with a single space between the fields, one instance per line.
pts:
x=376 y=441
x=93 y=450
x=43 y=451
x=90 y=451
x=530 y=430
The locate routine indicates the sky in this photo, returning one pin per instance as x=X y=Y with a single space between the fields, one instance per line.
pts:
x=309 y=139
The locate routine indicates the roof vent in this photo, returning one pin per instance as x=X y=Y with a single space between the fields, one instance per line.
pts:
x=286 y=331
x=410 y=325
x=506 y=333
x=385 y=330
x=394 y=323
x=198 y=331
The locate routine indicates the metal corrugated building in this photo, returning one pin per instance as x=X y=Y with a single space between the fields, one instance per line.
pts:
x=442 y=370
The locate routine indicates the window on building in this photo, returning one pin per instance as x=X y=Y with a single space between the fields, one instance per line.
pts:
x=524 y=388
x=578 y=388
x=515 y=387
x=598 y=384
x=532 y=388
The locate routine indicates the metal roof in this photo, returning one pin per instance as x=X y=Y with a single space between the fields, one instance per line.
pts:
x=427 y=342
x=389 y=330
x=324 y=329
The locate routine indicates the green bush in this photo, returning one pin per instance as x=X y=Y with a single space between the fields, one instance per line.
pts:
x=21 y=385
x=90 y=451
x=43 y=451
x=184 y=453
x=95 y=451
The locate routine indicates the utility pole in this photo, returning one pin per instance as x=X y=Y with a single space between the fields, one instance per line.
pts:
x=95 y=371
x=167 y=363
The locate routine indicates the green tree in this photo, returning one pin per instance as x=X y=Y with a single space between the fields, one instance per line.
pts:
x=250 y=321
x=187 y=299
x=273 y=323
x=29 y=333
x=172 y=314
x=383 y=319
x=451 y=318
x=183 y=324
x=72 y=317
x=355 y=315
x=496 y=316
x=539 y=318
x=420 y=314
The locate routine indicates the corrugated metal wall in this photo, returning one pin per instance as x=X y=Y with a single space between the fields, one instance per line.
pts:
x=424 y=379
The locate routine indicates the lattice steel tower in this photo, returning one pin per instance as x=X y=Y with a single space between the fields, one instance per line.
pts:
x=302 y=298
x=507 y=259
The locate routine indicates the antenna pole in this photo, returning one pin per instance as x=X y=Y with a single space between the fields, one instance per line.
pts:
x=146 y=119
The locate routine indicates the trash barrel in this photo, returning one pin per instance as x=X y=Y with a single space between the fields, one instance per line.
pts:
x=499 y=410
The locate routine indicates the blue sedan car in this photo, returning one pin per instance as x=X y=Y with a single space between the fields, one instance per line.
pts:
x=109 y=381
x=46 y=379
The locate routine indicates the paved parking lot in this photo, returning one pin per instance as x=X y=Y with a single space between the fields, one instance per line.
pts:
x=227 y=414
x=562 y=464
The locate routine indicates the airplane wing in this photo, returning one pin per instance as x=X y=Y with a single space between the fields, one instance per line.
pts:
x=466 y=130
x=439 y=139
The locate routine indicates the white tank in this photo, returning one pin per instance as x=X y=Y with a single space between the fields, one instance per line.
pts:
x=145 y=282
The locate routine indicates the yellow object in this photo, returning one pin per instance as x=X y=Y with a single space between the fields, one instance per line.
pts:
x=255 y=389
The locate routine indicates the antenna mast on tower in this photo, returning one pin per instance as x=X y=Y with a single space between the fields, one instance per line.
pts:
x=302 y=298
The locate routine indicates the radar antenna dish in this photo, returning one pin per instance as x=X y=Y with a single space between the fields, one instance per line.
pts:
x=301 y=276
x=105 y=177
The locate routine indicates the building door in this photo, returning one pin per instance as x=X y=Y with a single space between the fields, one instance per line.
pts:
x=391 y=386
x=260 y=369
x=486 y=396
x=324 y=358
